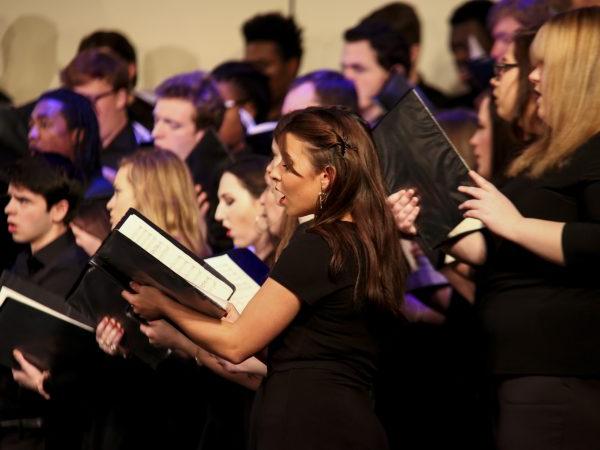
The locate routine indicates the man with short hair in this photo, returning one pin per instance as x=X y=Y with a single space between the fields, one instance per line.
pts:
x=103 y=78
x=139 y=108
x=44 y=192
x=372 y=52
x=403 y=17
x=187 y=114
x=273 y=43
x=470 y=41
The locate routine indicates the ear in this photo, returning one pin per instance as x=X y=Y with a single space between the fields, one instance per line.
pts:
x=199 y=135
x=122 y=96
x=292 y=66
x=415 y=49
x=398 y=68
x=58 y=211
x=327 y=178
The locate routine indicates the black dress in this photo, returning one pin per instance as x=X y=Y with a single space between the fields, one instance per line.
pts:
x=318 y=391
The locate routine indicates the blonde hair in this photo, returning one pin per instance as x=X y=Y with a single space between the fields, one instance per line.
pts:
x=164 y=192
x=568 y=48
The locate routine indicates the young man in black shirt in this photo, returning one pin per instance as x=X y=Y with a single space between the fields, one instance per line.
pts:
x=44 y=192
x=44 y=195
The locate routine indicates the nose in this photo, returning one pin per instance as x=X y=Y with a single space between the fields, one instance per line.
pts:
x=157 y=131
x=219 y=213
x=110 y=204
x=34 y=133
x=275 y=173
x=534 y=76
x=10 y=207
x=494 y=81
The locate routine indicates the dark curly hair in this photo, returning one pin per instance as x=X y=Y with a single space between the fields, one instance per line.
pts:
x=274 y=27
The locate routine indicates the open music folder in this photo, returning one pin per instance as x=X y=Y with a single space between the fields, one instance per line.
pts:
x=137 y=250
x=41 y=325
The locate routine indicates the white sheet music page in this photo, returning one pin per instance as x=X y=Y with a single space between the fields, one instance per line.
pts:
x=138 y=231
x=7 y=292
x=245 y=286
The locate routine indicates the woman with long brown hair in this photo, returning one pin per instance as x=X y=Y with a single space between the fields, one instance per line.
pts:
x=323 y=310
x=538 y=287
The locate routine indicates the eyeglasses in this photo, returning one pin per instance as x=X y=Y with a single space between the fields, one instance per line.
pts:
x=500 y=68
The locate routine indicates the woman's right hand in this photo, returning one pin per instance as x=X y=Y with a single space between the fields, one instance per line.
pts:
x=404 y=205
x=109 y=333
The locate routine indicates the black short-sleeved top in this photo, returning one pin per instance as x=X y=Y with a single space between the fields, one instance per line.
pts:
x=331 y=331
x=539 y=317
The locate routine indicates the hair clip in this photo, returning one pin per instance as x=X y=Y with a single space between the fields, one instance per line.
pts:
x=342 y=143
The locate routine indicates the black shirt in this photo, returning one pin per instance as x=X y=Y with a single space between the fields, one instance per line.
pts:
x=330 y=330
x=126 y=142
x=538 y=317
x=54 y=267
x=206 y=163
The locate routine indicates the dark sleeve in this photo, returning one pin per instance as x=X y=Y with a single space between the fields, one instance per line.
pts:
x=303 y=268
x=581 y=240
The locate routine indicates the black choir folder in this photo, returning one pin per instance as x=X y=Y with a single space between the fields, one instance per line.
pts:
x=415 y=152
x=138 y=250
x=40 y=324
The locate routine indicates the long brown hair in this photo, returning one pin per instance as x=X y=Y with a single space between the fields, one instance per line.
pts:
x=340 y=140
x=567 y=46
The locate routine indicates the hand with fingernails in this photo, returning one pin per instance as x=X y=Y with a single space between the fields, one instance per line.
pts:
x=109 y=333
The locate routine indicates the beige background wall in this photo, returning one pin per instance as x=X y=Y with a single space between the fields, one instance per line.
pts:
x=38 y=37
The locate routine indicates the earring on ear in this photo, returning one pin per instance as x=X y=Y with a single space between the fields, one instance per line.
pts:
x=321 y=199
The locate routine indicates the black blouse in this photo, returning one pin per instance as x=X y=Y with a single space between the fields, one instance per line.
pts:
x=541 y=318
x=331 y=331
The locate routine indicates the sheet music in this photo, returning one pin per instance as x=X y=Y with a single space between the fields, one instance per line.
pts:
x=245 y=286
x=138 y=231
x=7 y=292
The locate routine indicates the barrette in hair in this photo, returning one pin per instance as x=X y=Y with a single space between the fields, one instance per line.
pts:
x=342 y=143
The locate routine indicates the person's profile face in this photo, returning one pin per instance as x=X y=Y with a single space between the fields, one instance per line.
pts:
x=506 y=85
x=239 y=212
x=273 y=212
x=460 y=35
x=123 y=197
x=174 y=128
x=266 y=57
x=109 y=105
x=295 y=180
x=27 y=215
x=482 y=140
x=360 y=65
x=232 y=131
x=49 y=131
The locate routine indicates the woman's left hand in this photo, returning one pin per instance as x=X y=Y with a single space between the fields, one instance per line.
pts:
x=147 y=301
x=162 y=334
x=30 y=376
x=490 y=206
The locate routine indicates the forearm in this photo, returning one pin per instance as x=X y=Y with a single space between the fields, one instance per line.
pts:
x=470 y=249
x=541 y=237
x=248 y=380
x=216 y=336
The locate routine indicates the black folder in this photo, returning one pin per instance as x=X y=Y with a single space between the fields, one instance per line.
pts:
x=415 y=152
x=48 y=332
x=120 y=260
